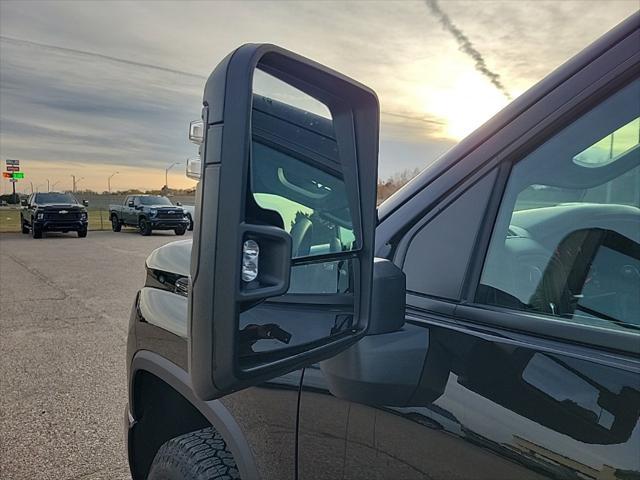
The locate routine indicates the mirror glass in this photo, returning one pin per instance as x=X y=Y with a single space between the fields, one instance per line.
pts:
x=296 y=183
x=295 y=168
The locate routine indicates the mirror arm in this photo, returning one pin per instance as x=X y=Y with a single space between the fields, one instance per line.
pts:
x=388 y=298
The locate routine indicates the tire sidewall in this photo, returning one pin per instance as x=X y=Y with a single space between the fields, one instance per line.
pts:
x=144 y=227
x=35 y=231
x=115 y=224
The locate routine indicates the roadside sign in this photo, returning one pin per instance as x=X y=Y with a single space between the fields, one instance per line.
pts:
x=12 y=162
x=13 y=168
x=18 y=175
x=13 y=180
x=7 y=174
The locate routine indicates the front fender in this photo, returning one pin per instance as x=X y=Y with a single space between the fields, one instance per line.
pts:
x=214 y=411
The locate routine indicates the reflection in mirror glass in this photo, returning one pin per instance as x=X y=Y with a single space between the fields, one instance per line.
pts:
x=273 y=326
x=295 y=168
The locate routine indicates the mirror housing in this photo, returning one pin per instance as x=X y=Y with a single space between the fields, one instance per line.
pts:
x=130 y=203
x=178 y=204
x=85 y=203
x=24 y=202
x=224 y=221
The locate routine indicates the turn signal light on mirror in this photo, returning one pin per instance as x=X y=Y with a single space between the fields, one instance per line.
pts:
x=196 y=132
x=250 y=254
x=194 y=168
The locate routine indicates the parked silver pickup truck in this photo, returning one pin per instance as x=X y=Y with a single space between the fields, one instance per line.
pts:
x=148 y=213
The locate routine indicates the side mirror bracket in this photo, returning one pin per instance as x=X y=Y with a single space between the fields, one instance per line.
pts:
x=388 y=299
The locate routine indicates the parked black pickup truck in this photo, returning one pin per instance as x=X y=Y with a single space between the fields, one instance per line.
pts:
x=148 y=213
x=495 y=335
x=53 y=212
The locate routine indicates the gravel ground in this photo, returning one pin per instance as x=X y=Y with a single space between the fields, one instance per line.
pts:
x=64 y=309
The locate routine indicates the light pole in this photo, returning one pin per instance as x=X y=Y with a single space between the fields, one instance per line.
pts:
x=166 y=173
x=109 y=180
x=48 y=188
x=75 y=182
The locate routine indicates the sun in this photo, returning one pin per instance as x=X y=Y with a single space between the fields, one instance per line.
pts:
x=464 y=104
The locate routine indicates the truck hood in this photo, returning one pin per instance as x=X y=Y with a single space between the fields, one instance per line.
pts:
x=172 y=258
x=58 y=206
x=164 y=207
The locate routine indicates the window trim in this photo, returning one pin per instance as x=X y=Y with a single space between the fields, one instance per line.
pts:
x=551 y=327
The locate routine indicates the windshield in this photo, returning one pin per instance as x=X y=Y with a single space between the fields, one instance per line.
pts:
x=155 y=200
x=55 y=198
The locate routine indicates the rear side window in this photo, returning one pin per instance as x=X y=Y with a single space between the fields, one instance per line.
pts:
x=567 y=238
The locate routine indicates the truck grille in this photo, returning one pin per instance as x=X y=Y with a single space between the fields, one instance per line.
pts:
x=62 y=217
x=165 y=215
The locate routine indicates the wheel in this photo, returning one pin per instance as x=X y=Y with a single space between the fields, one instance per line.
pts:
x=180 y=230
x=200 y=455
x=144 y=227
x=190 y=222
x=25 y=229
x=36 y=232
x=116 y=226
x=82 y=233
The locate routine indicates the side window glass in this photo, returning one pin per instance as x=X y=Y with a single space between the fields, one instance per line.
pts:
x=567 y=238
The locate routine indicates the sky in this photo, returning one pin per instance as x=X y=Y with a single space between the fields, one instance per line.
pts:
x=93 y=88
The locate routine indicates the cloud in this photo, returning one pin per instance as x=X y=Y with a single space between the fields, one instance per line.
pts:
x=104 y=85
x=467 y=47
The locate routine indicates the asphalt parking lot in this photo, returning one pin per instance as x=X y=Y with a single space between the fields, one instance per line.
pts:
x=64 y=309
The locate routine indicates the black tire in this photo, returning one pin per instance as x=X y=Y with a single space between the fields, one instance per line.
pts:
x=190 y=222
x=200 y=455
x=25 y=229
x=82 y=233
x=35 y=231
x=180 y=230
x=144 y=227
x=116 y=226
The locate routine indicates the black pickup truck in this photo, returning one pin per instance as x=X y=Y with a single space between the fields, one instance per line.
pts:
x=148 y=213
x=495 y=335
x=53 y=212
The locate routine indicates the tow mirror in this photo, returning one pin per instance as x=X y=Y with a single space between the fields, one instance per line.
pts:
x=282 y=256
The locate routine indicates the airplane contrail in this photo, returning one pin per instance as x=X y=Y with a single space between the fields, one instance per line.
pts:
x=467 y=47
x=85 y=53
